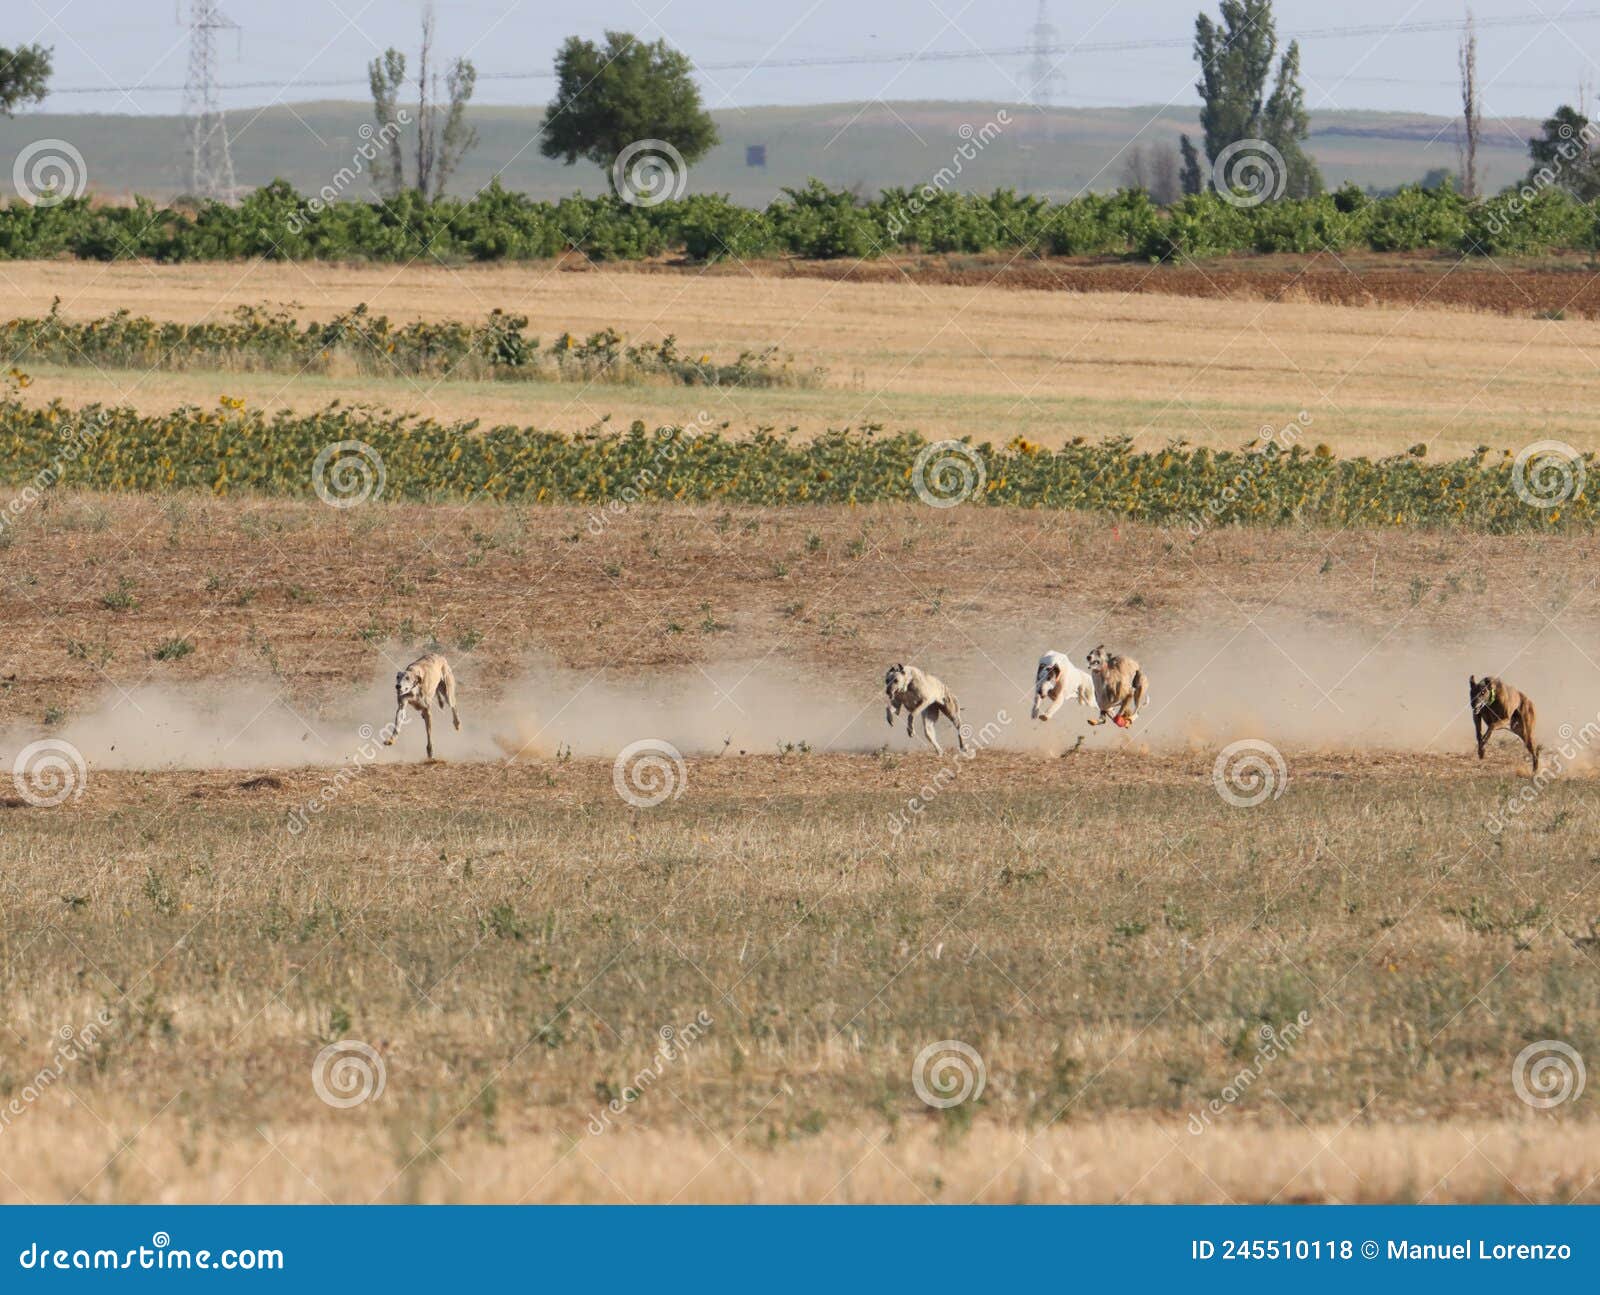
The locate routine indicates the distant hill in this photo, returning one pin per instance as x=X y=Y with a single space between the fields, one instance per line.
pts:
x=872 y=146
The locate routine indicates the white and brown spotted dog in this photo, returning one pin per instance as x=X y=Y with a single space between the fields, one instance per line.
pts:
x=1120 y=687
x=909 y=689
x=1056 y=680
x=425 y=681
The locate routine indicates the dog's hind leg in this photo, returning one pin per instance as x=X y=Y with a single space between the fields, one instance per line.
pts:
x=929 y=714
x=1136 y=695
x=447 y=697
x=953 y=713
x=1522 y=723
x=427 y=725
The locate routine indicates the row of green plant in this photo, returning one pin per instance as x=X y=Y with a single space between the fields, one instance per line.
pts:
x=342 y=451
x=252 y=339
x=813 y=221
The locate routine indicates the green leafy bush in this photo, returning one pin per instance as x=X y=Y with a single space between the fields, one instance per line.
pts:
x=810 y=221
x=258 y=340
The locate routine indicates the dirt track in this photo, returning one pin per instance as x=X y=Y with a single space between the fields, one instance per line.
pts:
x=739 y=782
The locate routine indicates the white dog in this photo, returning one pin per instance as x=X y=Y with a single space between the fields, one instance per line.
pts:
x=916 y=693
x=426 y=680
x=1056 y=680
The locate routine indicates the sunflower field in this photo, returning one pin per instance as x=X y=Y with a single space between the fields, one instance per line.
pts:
x=230 y=449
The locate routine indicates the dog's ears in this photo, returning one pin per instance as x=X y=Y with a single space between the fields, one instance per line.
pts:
x=1472 y=681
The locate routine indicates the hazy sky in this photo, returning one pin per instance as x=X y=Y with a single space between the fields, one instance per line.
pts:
x=293 y=46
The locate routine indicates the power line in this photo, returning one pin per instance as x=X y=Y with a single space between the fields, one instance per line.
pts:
x=1041 y=67
x=1030 y=51
x=210 y=161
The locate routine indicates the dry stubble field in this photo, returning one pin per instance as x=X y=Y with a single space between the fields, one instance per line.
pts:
x=239 y=886
x=967 y=358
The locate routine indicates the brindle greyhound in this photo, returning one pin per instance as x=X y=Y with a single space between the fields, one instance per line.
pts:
x=1496 y=704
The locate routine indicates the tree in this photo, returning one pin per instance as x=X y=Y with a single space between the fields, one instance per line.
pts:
x=1189 y=174
x=609 y=98
x=1153 y=168
x=440 y=146
x=24 y=74
x=1563 y=154
x=1236 y=57
x=1166 y=185
x=1471 y=109
x=1135 y=169
x=386 y=76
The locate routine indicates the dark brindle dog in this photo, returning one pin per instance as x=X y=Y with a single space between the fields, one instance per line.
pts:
x=1496 y=704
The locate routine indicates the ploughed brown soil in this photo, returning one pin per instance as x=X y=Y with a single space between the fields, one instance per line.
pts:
x=316 y=599
x=1439 y=281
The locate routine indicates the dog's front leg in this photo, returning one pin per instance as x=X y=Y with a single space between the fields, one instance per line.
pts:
x=394 y=728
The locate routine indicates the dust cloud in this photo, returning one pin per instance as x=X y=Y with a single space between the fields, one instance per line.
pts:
x=1296 y=686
